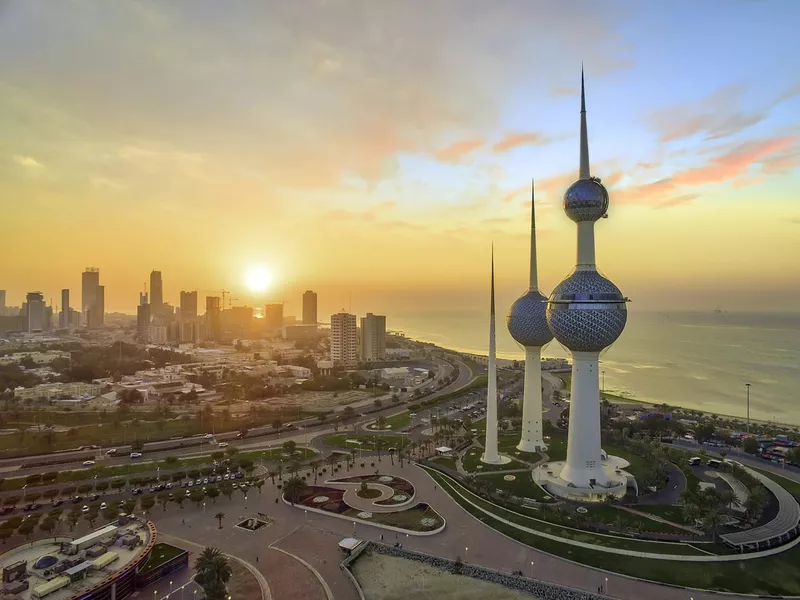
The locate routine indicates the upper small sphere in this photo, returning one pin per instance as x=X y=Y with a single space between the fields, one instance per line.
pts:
x=586 y=200
x=527 y=321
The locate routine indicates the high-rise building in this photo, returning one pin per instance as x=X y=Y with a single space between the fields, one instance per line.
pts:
x=2 y=301
x=98 y=314
x=586 y=313
x=527 y=324
x=213 y=310
x=143 y=322
x=373 y=337
x=90 y=280
x=344 y=339
x=188 y=305
x=63 y=318
x=273 y=316
x=143 y=298
x=156 y=292
x=309 y=308
x=34 y=306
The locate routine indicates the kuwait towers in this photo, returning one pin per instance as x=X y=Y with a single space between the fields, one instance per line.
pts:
x=586 y=313
x=491 y=455
x=527 y=324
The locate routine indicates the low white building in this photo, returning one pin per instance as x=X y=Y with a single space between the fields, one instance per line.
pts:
x=40 y=358
x=398 y=353
x=51 y=391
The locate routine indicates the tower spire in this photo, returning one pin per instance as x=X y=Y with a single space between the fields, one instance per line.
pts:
x=584 y=163
x=492 y=309
x=533 y=285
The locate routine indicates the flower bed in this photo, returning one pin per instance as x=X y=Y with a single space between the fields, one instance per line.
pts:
x=403 y=489
x=324 y=498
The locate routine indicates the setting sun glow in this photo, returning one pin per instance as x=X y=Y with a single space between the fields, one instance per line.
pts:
x=257 y=279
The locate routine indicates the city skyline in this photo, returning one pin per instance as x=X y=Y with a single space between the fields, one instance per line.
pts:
x=699 y=153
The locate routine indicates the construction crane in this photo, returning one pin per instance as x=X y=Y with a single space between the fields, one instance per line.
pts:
x=222 y=292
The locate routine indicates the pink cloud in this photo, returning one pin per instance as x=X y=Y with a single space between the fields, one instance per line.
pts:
x=457 y=151
x=514 y=140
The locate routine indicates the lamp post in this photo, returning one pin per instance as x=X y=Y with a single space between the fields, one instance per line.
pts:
x=170 y=587
x=466 y=553
x=23 y=492
x=605 y=589
x=531 y=569
x=204 y=508
x=747 y=385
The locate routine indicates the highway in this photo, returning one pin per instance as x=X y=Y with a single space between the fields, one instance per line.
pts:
x=257 y=438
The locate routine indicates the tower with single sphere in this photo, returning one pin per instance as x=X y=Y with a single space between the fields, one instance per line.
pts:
x=527 y=324
x=491 y=454
x=586 y=313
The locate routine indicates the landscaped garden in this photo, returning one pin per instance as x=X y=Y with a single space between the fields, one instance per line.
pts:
x=403 y=489
x=370 y=443
x=419 y=518
x=160 y=554
x=471 y=461
x=392 y=423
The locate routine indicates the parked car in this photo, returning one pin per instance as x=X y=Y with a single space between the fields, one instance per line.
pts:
x=6 y=510
x=85 y=508
x=94 y=497
x=58 y=502
x=103 y=506
x=77 y=499
x=136 y=491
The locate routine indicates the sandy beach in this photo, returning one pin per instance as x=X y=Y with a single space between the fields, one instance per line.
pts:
x=389 y=578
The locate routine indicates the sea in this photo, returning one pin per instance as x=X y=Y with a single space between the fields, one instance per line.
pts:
x=697 y=360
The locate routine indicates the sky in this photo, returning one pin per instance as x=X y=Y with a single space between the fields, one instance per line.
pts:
x=374 y=150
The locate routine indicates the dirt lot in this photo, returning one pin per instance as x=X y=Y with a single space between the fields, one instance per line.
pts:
x=389 y=578
x=319 y=400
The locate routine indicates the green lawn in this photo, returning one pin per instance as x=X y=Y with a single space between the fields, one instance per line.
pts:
x=565 y=532
x=508 y=445
x=368 y=441
x=398 y=421
x=556 y=447
x=160 y=554
x=522 y=486
x=776 y=575
x=405 y=519
x=445 y=461
x=671 y=513
x=638 y=467
x=472 y=460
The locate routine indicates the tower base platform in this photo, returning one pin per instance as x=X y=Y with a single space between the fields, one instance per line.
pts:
x=548 y=476
x=501 y=460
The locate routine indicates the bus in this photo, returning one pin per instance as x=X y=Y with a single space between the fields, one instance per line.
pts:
x=714 y=463
x=695 y=460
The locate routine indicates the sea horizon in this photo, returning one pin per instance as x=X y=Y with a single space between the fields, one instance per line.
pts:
x=693 y=359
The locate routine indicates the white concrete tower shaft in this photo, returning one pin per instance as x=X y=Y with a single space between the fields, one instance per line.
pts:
x=532 y=438
x=491 y=454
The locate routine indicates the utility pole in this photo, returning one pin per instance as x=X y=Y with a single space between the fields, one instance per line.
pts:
x=747 y=385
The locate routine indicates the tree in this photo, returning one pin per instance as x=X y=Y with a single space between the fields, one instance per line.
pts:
x=259 y=483
x=378 y=403
x=219 y=516
x=381 y=422
x=231 y=451
x=293 y=487
x=137 y=446
x=147 y=502
x=704 y=432
x=272 y=474
x=227 y=489
x=751 y=445
x=213 y=493
x=289 y=447
x=163 y=498
x=276 y=424
x=213 y=573
x=26 y=528
x=47 y=525
x=349 y=412
x=171 y=461
x=197 y=496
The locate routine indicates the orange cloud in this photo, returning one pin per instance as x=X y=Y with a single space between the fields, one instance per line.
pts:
x=457 y=151
x=513 y=194
x=735 y=163
x=514 y=140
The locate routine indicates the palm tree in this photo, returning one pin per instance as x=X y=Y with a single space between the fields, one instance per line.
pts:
x=219 y=516
x=293 y=488
x=213 y=572
x=712 y=522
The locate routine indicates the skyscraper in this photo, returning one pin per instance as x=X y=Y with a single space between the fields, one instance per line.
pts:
x=143 y=322
x=35 y=311
x=491 y=454
x=156 y=292
x=143 y=298
x=273 y=317
x=309 y=308
x=527 y=324
x=344 y=339
x=2 y=301
x=586 y=313
x=90 y=280
x=97 y=314
x=373 y=337
x=213 y=310
x=63 y=318
x=188 y=305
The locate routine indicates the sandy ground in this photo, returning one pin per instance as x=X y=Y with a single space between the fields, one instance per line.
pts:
x=320 y=400
x=389 y=578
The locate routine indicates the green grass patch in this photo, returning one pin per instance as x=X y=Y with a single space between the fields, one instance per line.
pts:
x=556 y=447
x=508 y=445
x=471 y=460
x=445 y=461
x=160 y=554
x=563 y=532
x=367 y=441
x=776 y=575
x=522 y=486
x=397 y=422
x=409 y=519
x=670 y=513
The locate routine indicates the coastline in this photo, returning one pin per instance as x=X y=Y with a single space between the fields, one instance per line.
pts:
x=508 y=363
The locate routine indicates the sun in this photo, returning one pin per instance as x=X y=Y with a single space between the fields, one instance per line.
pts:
x=257 y=279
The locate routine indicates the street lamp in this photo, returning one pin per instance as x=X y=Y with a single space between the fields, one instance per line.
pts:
x=23 y=492
x=605 y=589
x=531 y=569
x=204 y=508
x=170 y=588
x=466 y=553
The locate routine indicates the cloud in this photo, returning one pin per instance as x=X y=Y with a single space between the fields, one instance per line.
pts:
x=735 y=162
x=514 y=140
x=458 y=151
x=27 y=162
x=565 y=91
x=510 y=196
x=716 y=116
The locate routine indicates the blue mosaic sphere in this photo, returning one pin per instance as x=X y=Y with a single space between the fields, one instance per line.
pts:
x=586 y=200
x=586 y=312
x=527 y=322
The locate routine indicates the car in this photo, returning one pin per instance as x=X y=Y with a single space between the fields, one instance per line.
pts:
x=239 y=475
x=190 y=484
x=136 y=455
x=198 y=482
x=136 y=491
x=153 y=489
x=121 y=502
x=208 y=436
x=6 y=510
x=188 y=492
x=103 y=506
x=94 y=497
x=169 y=486
x=239 y=435
x=111 y=451
x=88 y=463
x=58 y=502
x=77 y=499
x=222 y=445
x=28 y=507
x=85 y=508
x=205 y=480
x=226 y=476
